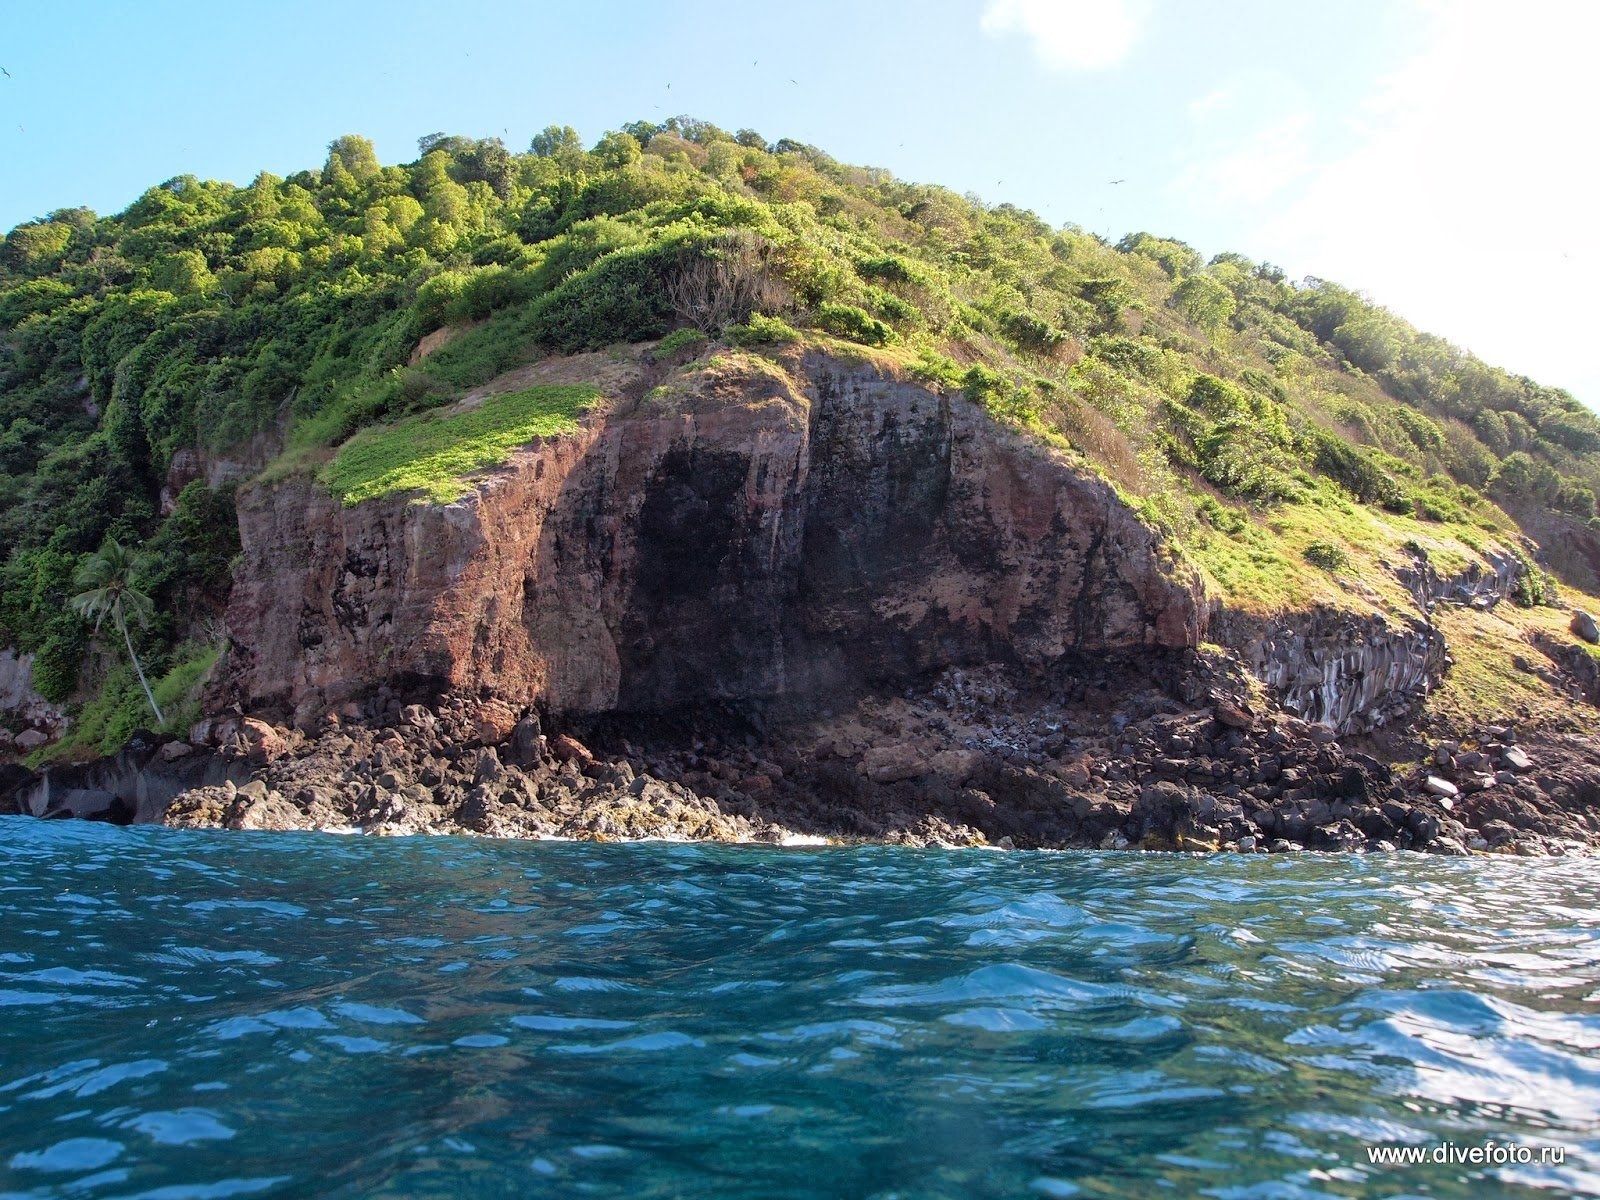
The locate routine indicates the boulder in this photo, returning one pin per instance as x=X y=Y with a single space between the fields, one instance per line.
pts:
x=567 y=748
x=1234 y=716
x=418 y=716
x=527 y=743
x=173 y=751
x=493 y=722
x=1583 y=626
x=1517 y=759
x=30 y=740
x=955 y=766
x=1435 y=786
x=891 y=764
x=262 y=742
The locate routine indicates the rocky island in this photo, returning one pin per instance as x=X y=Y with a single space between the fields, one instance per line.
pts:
x=696 y=487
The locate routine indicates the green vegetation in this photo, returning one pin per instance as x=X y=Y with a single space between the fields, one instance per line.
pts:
x=1248 y=414
x=431 y=454
x=120 y=709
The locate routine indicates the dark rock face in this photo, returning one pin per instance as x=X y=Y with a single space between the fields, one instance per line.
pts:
x=135 y=784
x=766 y=539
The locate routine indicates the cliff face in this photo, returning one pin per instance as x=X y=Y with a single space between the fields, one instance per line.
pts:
x=749 y=535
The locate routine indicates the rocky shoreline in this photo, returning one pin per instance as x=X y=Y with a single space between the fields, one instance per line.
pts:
x=1181 y=759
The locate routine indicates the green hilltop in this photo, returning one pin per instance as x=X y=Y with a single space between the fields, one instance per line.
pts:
x=1288 y=435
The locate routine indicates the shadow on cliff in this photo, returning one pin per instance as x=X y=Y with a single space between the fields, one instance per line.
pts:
x=797 y=550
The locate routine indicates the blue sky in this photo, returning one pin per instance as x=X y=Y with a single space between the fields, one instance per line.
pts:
x=1436 y=154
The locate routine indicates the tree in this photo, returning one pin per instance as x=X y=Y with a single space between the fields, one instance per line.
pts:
x=617 y=150
x=557 y=141
x=354 y=154
x=1205 y=302
x=107 y=591
x=1176 y=258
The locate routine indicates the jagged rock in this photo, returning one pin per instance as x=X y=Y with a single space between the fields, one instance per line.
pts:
x=30 y=740
x=488 y=765
x=1583 y=626
x=1517 y=759
x=1342 y=673
x=527 y=743
x=172 y=751
x=254 y=790
x=270 y=812
x=1435 y=786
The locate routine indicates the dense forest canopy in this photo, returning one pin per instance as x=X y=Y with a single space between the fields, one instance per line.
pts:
x=1211 y=393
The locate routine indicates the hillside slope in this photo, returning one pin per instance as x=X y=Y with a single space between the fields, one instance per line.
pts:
x=1327 y=474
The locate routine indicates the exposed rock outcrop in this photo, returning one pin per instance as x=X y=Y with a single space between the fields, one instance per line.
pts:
x=32 y=719
x=134 y=785
x=755 y=535
x=1351 y=674
x=1480 y=585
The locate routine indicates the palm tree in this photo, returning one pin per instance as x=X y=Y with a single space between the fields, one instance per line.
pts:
x=107 y=592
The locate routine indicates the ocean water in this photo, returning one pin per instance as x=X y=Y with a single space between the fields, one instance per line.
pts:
x=189 y=1016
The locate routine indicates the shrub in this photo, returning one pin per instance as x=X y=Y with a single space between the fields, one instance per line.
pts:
x=488 y=290
x=722 y=282
x=436 y=297
x=1327 y=556
x=622 y=298
x=1353 y=469
x=1221 y=517
x=761 y=330
x=1529 y=591
x=855 y=324
x=679 y=339
x=1028 y=332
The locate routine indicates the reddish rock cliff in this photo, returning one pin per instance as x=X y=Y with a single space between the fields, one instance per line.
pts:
x=744 y=533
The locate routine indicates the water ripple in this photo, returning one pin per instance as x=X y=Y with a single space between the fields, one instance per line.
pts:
x=192 y=1016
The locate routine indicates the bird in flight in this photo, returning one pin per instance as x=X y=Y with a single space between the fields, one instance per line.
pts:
x=796 y=82
x=5 y=72
x=1114 y=182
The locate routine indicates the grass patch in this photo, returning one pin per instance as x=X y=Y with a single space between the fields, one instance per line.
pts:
x=1325 y=549
x=432 y=453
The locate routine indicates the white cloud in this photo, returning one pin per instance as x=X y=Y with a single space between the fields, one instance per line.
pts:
x=1466 y=200
x=1081 y=35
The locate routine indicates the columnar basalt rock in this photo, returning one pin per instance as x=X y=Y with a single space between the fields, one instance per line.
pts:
x=1349 y=673
x=757 y=535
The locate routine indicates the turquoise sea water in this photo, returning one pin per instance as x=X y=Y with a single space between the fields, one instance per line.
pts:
x=186 y=1016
